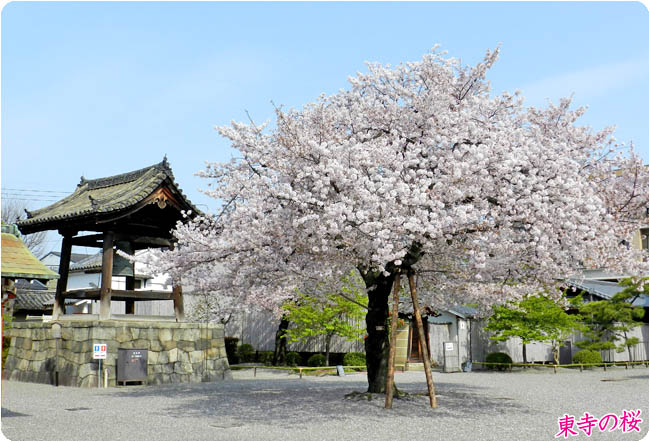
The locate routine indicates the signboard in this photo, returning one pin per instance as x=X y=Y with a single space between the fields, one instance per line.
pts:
x=99 y=351
x=449 y=346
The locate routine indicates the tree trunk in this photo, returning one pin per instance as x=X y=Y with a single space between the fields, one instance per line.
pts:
x=280 y=351
x=377 y=343
x=328 y=342
x=524 y=353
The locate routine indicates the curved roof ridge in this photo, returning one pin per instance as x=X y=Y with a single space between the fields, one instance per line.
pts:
x=126 y=177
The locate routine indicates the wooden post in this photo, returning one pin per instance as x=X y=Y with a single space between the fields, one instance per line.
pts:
x=393 y=342
x=179 y=310
x=129 y=283
x=423 y=342
x=177 y=293
x=129 y=306
x=62 y=283
x=107 y=277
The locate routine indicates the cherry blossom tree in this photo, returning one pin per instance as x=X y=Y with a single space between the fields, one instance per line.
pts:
x=417 y=168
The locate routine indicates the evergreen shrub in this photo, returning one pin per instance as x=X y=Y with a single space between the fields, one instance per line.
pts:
x=498 y=358
x=293 y=358
x=246 y=353
x=587 y=357
x=265 y=357
x=316 y=360
x=354 y=358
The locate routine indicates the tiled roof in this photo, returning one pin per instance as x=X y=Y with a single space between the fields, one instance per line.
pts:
x=29 y=285
x=607 y=290
x=19 y=262
x=121 y=265
x=74 y=257
x=105 y=195
x=33 y=300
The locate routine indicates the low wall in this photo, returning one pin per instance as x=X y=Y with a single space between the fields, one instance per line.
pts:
x=177 y=352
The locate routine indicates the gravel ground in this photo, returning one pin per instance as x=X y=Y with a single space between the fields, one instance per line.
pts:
x=277 y=406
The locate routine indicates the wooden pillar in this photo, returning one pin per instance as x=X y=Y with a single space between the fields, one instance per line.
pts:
x=393 y=342
x=179 y=310
x=423 y=342
x=127 y=247
x=62 y=283
x=107 y=277
x=130 y=304
x=177 y=293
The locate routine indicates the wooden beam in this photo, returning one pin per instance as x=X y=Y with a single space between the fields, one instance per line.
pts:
x=88 y=240
x=107 y=277
x=120 y=295
x=62 y=283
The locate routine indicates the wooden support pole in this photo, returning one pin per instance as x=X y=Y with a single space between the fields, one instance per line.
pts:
x=62 y=283
x=129 y=306
x=107 y=277
x=179 y=310
x=423 y=342
x=393 y=341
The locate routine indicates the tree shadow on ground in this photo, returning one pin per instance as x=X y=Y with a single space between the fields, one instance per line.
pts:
x=8 y=413
x=297 y=403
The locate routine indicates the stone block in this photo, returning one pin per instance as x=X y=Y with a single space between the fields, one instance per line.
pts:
x=196 y=356
x=212 y=353
x=183 y=356
x=153 y=357
x=172 y=355
x=141 y=343
x=163 y=357
x=186 y=345
x=67 y=333
x=155 y=345
x=123 y=335
x=177 y=334
x=165 y=335
x=174 y=378
x=169 y=345
x=102 y=334
x=191 y=334
x=81 y=334
x=39 y=355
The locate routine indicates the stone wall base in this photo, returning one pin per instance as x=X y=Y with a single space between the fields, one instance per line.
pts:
x=176 y=352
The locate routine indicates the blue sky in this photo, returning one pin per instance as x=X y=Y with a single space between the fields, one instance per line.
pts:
x=97 y=89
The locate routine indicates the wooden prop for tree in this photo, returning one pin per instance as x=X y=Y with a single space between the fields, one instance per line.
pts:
x=393 y=339
x=425 y=350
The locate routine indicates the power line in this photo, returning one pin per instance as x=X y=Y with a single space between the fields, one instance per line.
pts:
x=36 y=190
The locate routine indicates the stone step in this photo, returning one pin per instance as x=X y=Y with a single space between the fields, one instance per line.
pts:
x=415 y=366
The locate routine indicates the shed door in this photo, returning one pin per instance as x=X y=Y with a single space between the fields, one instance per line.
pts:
x=415 y=345
x=438 y=333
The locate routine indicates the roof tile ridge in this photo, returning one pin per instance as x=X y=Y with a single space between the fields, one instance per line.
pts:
x=125 y=177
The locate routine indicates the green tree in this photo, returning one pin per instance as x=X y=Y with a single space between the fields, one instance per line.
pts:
x=332 y=314
x=609 y=321
x=533 y=319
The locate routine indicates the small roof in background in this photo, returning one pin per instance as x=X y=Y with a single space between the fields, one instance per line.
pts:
x=93 y=263
x=34 y=300
x=19 y=263
x=606 y=290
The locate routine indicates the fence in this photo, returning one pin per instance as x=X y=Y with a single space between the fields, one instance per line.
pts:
x=556 y=366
